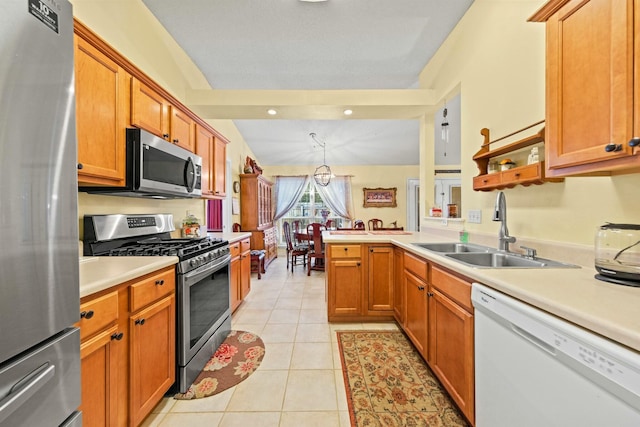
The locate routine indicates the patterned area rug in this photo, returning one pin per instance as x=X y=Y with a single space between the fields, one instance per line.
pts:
x=238 y=356
x=389 y=384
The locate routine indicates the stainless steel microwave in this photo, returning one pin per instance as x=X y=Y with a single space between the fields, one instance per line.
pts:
x=156 y=168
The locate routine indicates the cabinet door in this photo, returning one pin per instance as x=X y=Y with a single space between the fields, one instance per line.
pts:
x=182 y=129
x=589 y=85
x=235 y=291
x=219 y=167
x=205 y=149
x=380 y=283
x=149 y=110
x=245 y=274
x=416 y=311
x=398 y=286
x=99 y=373
x=345 y=282
x=152 y=357
x=101 y=116
x=451 y=349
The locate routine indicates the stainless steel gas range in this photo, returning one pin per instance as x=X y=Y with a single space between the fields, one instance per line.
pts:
x=203 y=314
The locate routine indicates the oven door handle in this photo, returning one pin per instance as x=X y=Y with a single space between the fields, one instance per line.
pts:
x=200 y=273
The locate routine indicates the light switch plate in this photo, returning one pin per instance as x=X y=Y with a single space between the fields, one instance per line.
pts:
x=475 y=216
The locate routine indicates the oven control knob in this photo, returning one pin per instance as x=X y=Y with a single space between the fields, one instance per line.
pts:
x=193 y=262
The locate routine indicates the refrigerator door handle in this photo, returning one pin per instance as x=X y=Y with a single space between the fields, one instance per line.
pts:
x=25 y=388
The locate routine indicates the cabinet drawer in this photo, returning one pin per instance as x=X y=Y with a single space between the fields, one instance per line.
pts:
x=522 y=173
x=487 y=180
x=345 y=251
x=97 y=314
x=417 y=266
x=151 y=289
x=454 y=287
x=234 y=248
x=245 y=245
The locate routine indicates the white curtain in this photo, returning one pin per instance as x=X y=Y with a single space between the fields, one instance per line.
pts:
x=337 y=196
x=287 y=192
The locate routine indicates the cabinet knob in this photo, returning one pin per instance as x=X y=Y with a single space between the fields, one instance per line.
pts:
x=358 y=264
x=634 y=142
x=609 y=148
x=429 y=294
x=160 y=282
x=165 y=135
x=80 y=165
x=117 y=336
x=518 y=175
x=140 y=322
x=86 y=314
x=175 y=141
x=371 y=250
x=421 y=288
x=346 y=249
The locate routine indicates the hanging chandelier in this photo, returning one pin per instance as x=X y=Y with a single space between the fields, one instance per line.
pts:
x=322 y=175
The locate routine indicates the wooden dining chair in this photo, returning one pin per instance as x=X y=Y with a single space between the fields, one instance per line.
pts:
x=330 y=223
x=293 y=251
x=358 y=224
x=316 y=248
x=375 y=223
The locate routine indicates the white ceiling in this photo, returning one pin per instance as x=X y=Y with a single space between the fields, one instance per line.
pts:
x=286 y=45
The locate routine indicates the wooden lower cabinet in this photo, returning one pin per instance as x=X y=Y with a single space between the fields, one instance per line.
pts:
x=451 y=349
x=360 y=282
x=415 y=322
x=152 y=357
x=399 y=297
x=380 y=278
x=240 y=272
x=245 y=268
x=127 y=349
x=99 y=373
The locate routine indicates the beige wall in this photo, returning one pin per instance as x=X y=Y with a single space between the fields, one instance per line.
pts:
x=495 y=59
x=369 y=177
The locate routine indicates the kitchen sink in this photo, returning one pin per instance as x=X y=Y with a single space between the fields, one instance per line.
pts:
x=452 y=247
x=505 y=260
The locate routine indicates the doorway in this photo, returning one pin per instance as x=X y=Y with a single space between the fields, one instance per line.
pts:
x=413 y=204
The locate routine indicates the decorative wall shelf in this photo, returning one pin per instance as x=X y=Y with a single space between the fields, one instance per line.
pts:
x=521 y=175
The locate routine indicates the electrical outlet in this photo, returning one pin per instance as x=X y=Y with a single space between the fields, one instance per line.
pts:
x=475 y=216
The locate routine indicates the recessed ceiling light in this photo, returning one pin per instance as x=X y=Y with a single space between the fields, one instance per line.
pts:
x=348 y=112
x=272 y=112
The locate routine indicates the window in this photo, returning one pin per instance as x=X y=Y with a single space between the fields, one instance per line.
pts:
x=309 y=209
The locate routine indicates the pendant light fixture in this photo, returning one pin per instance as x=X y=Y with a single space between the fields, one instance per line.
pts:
x=322 y=175
x=444 y=127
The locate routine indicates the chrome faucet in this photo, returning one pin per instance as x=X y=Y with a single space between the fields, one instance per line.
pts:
x=500 y=214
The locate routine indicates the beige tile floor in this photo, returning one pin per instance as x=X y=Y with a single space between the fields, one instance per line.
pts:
x=299 y=382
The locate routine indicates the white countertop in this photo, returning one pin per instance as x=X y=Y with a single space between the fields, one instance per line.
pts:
x=231 y=237
x=573 y=294
x=102 y=272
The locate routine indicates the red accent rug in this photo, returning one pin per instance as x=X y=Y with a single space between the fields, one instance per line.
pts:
x=238 y=356
x=389 y=384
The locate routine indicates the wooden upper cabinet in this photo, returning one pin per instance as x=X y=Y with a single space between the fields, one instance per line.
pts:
x=204 y=149
x=182 y=129
x=149 y=110
x=220 y=167
x=102 y=95
x=213 y=151
x=152 y=112
x=590 y=99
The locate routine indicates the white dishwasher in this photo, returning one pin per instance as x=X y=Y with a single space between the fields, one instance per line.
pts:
x=534 y=369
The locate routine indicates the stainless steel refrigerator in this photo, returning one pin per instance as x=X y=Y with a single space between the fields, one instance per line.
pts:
x=39 y=293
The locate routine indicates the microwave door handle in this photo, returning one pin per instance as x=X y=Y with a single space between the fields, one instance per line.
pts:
x=190 y=175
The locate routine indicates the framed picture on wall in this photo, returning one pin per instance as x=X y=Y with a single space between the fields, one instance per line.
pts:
x=379 y=197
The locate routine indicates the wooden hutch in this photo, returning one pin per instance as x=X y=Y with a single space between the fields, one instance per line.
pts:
x=256 y=214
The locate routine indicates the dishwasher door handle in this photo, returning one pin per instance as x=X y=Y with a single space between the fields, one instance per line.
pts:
x=533 y=339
